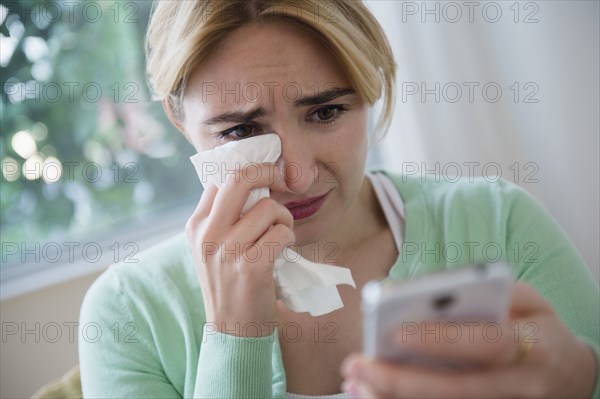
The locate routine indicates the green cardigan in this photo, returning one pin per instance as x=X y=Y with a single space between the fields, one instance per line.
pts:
x=142 y=324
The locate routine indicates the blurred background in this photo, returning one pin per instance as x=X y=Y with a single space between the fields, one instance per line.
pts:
x=93 y=173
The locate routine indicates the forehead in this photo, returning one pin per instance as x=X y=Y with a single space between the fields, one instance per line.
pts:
x=276 y=54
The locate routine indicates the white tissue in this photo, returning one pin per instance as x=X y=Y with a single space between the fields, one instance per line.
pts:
x=304 y=286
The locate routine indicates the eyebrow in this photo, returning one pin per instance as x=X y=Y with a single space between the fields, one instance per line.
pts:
x=236 y=116
x=245 y=117
x=323 y=97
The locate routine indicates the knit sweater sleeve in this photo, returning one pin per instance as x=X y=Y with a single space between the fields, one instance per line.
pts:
x=117 y=356
x=234 y=367
x=143 y=335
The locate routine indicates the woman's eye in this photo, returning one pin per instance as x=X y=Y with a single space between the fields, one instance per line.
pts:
x=328 y=114
x=238 y=132
x=325 y=114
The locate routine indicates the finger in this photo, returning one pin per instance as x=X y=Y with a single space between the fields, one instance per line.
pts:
x=203 y=207
x=206 y=199
x=234 y=193
x=259 y=219
x=391 y=380
x=277 y=238
x=260 y=256
x=358 y=389
x=265 y=249
x=526 y=301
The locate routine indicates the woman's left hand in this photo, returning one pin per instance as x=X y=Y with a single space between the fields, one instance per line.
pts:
x=534 y=355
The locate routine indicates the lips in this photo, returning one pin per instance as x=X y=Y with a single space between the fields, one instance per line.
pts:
x=307 y=207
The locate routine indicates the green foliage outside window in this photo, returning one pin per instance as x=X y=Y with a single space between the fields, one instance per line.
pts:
x=83 y=149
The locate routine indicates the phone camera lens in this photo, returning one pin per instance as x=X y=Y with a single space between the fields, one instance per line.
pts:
x=481 y=269
x=443 y=302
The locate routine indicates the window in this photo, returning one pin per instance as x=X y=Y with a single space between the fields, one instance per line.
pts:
x=87 y=158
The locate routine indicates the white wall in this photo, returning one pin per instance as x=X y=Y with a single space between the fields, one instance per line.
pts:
x=48 y=301
x=31 y=360
x=556 y=138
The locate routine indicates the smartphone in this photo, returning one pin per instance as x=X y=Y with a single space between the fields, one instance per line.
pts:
x=477 y=293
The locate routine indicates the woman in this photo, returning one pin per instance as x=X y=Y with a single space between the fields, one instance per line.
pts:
x=177 y=323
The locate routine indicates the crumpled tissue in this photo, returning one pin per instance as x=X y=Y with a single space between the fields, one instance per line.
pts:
x=304 y=286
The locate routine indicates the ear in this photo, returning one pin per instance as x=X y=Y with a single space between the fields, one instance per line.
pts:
x=173 y=119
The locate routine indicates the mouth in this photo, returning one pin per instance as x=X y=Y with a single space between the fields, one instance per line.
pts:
x=307 y=207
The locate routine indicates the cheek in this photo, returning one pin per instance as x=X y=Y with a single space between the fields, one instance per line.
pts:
x=345 y=153
x=352 y=142
x=200 y=143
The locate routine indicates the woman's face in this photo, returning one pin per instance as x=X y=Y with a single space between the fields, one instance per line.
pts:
x=279 y=77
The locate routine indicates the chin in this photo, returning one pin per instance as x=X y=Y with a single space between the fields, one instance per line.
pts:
x=313 y=229
x=307 y=234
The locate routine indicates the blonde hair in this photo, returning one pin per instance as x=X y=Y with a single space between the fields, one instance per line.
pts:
x=181 y=34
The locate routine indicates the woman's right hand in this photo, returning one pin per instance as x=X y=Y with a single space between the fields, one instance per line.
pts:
x=234 y=256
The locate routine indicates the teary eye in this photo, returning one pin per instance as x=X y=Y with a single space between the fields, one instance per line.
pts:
x=326 y=113
x=238 y=132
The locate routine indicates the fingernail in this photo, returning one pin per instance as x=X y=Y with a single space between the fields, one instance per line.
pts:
x=356 y=389
x=352 y=367
x=280 y=167
x=351 y=388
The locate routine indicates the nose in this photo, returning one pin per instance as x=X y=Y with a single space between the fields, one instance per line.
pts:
x=298 y=163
